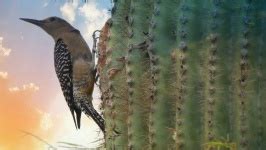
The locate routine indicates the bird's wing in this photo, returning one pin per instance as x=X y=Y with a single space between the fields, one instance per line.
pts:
x=64 y=72
x=83 y=83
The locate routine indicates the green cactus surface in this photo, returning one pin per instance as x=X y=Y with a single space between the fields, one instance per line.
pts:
x=185 y=75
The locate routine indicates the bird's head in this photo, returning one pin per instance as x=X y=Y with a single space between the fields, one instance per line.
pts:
x=54 y=26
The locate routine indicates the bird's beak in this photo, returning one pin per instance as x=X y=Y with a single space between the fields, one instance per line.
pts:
x=36 y=22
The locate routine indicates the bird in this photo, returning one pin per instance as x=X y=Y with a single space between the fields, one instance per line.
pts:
x=74 y=66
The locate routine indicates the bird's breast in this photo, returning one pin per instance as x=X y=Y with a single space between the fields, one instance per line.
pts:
x=83 y=75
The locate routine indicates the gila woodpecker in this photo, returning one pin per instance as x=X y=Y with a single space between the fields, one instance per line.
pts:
x=74 y=66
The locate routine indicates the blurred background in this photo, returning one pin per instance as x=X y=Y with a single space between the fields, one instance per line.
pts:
x=32 y=105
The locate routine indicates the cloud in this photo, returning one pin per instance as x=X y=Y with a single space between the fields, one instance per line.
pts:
x=46 y=122
x=68 y=10
x=95 y=18
x=31 y=86
x=45 y=3
x=26 y=87
x=4 y=51
x=14 y=89
x=3 y=75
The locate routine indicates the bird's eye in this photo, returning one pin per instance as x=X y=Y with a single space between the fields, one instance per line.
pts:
x=52 y=19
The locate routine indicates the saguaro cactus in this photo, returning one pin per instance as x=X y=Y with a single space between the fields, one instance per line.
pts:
x=185 y=75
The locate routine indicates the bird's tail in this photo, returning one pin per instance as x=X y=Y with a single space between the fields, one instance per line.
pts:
x=89 y=110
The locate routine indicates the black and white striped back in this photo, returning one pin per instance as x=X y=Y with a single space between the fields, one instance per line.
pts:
x=64 y=72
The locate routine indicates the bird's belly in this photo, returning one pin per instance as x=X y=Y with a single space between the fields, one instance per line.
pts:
x=84 y=82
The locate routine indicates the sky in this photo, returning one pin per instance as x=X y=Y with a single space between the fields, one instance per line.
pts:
x=32 y=105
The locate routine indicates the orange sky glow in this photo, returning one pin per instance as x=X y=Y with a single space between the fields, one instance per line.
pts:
x=18 y=115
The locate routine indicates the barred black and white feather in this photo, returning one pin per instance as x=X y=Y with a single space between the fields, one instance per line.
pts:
x=85 y=103
x=77 y=100
x=90 y=111
x=64 y=72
